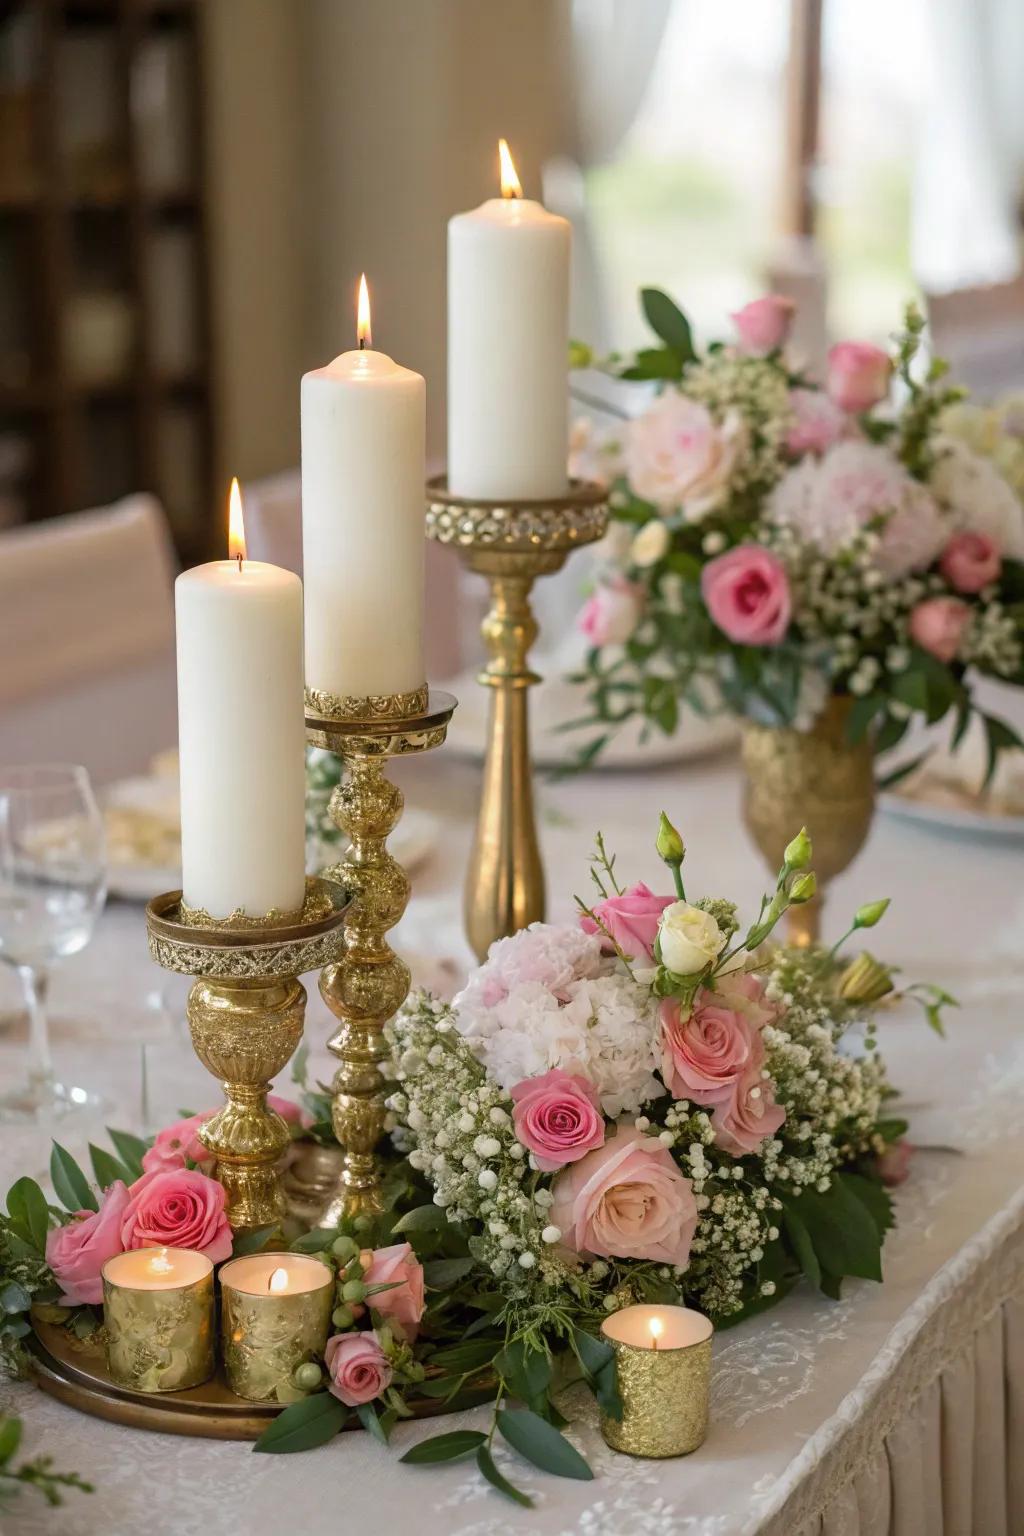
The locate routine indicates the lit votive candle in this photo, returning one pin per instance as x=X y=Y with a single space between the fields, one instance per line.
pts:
x=158 y=1314
x=275 y=1313
x=663 y=1361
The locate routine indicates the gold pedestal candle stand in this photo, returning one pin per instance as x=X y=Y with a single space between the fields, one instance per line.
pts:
x=245 y=1015
x=511 y=543
x=367 y=985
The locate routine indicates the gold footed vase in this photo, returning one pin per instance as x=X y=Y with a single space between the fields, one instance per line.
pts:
x=367 y=983
x=815 y=779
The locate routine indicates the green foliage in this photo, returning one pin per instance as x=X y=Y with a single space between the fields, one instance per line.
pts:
x=540 y=1442
x=303 y=1425
x=838 y=1232
x=28 y=1213
x=70 y=1183
x=38 y=1473
x=485 y=1461
x=448 y=1447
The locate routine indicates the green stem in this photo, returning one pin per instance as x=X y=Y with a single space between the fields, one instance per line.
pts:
x=677 y=877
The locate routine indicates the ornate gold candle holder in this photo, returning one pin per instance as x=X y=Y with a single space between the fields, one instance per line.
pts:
x=245 y=1015
x=511 y=543
x=158 y=1317
x=663 y=1362
x=367 y=985
x=275 y=1313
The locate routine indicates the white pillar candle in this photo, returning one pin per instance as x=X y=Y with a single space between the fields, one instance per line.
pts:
x=508 y=347
x=241 y=734
x=363 y=446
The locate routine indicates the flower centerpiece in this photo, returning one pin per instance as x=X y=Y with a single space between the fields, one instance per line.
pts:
x=833 y=562
x=650 y=1104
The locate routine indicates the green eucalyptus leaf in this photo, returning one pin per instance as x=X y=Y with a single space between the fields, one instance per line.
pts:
x=72 y=1188
x=485 y=1461
x=304 y=1425
x=29 y=1213
x=448 y=1447
x=539 y=1441
x=316 y=1241
x=14 y=1298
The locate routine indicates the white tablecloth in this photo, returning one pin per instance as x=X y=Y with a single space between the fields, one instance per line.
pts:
x=899 y=1408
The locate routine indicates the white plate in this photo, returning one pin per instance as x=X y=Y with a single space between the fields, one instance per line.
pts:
x=951 y=818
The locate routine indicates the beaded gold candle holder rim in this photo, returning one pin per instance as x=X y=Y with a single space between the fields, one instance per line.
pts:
x=383 y=733
x=279 y=944
x=547 y=524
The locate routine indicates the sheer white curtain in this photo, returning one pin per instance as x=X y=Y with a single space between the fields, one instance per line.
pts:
x=967 y=185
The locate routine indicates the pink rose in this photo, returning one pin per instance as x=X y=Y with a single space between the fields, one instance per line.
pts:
x=178 y=1208
x=704 y=1054
x=894 y=1163
x=858 y=375
x=631 y=919
x=677 y=456
x=557 y=1117
x=77 y=1252
x=747 y=595
x=748 y=1115
x=817 y=422
x=612 y=613
x=626 y=1200
x=358 y=1367
x=937 y=626
x=175 y=1143
x=399 y=1267
x=763 y=325
x=970 y=561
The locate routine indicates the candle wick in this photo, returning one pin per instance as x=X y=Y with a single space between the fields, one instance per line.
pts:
x=362 y=343
x=239 y=559
x=655 y=1341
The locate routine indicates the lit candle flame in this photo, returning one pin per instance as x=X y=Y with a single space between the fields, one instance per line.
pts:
x=236 y=527
x=510 y=183
x=657 y=1328
x=278 y=1280
x=363 y=315
x=160 y=1264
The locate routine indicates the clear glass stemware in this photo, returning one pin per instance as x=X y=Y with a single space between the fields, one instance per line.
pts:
x=53 y=876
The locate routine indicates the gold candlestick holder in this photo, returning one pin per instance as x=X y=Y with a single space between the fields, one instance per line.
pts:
x=511 y=543
x=365 y=987
x=245 y=1014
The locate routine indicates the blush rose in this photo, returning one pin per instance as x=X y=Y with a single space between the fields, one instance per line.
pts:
x=747 y=595
x=937 y=625
x=78 y=1251
x=858 y=375
x=763 y=325
x=177 y=1208
x=894 y=1163
x=399 y=1268
x=358 y=1367
x=706 y=1051
x=178 y=1143
x=557 y=1117
x=748 y=1115
x=970 y=561
x=612 y=612
x=626 y=1200
x=677 y=456
x=631 y=920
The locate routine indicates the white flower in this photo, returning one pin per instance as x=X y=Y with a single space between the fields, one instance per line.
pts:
x=979 y=498
x=689 y=938
x=551 y=1234
x=595 y=453
x=651 y=544
x=678 y=457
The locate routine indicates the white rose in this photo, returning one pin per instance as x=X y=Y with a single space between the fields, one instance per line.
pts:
x=689 y=938
x=650 y=544
x=677 y=456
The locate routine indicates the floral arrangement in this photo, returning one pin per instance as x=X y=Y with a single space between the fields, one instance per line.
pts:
x=651 y=1104
x=783 y=541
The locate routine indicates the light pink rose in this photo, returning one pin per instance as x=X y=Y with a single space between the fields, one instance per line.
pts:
x=678 y=457
x=403 y=1306
x=77 y=1252
x=970 y=561
x=937 y=625
x=817 y=422
x=358 y=1367
x=557 y=1117
x=763 y=325
x=747 y=595
x=748 y=1115
x=858 y=375
x=705 y=1052
x=175 y=1143
x=612 y=612
x=626 y=1200
x=894 y=1163
x=631 y=919
x=179 y=1208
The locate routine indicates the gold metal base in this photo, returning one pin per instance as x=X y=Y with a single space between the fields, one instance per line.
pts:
x=76 y=1374
x=511 y=544
x=813 y=779
x=367 y=985
x=245 y=1014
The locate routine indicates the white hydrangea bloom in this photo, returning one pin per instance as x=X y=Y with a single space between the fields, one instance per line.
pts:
x=979 y=498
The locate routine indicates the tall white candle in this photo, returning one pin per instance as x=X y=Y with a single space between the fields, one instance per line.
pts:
x=508 y=344
x=363 y=445
x=241 y=735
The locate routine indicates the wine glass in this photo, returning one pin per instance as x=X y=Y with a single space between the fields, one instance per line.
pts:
x=53 y=882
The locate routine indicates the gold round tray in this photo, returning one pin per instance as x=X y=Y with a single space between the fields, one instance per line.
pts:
x=75 y=1372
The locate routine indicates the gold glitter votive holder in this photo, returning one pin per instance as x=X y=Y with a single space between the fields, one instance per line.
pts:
x=663 y=1361
x=275 y=1313
x=158 y=1315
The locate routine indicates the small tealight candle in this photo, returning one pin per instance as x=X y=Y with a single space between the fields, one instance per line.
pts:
x=275 y=1313
x=158 y=1314
x=663 y=1361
